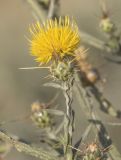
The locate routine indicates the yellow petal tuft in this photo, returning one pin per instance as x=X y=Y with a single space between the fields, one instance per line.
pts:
x=54 y=39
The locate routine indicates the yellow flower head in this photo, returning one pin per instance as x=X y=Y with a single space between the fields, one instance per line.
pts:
x=54 y=39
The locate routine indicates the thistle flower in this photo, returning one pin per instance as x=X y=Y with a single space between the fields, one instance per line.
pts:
x=54 y=39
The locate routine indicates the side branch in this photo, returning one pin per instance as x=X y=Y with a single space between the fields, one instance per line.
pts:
x=37 y=10
x=86 y=107
x=32 y=151
x=92 y=41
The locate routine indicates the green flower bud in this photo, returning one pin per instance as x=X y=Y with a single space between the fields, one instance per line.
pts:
x=107 y=26
x=42 y=119
x=62 y=70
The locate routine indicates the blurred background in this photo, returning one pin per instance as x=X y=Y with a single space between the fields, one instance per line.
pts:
x=20 y=88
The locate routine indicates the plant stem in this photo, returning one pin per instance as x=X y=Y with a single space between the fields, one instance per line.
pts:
x=51 y=9
x=69 y=118
x=32 y=151
x=38 y=11
x=104 y=138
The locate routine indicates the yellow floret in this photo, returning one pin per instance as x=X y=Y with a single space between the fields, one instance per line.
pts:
x=54 y=39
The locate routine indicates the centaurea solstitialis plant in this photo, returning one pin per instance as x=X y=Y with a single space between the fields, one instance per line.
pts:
x=55 y=41
x=55 y=44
